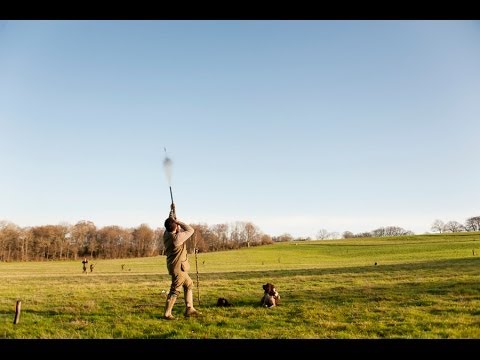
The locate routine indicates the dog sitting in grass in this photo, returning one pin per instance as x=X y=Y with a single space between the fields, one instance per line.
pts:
x=222 y=302
x=270 y=297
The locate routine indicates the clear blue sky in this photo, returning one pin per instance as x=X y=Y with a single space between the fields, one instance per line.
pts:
x=295 y=126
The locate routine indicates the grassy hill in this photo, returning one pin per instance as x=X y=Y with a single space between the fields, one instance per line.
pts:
x=422 y=287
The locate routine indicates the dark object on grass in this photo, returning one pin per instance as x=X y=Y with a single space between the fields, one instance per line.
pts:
x=222 y=302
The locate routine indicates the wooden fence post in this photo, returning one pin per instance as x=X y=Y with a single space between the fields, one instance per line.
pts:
x=18 y=308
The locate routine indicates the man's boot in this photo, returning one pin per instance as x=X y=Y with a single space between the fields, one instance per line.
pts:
x=190 y=310
x=169 y=306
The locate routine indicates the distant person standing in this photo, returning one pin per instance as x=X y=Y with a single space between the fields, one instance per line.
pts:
x=174 y=238
x=85 y=262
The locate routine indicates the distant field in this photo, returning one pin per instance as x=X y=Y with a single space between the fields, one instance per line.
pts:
x=423 y=287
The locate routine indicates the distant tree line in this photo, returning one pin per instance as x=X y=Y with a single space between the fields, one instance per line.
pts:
x=380 y=232
x=67 y=242
x=471 y=224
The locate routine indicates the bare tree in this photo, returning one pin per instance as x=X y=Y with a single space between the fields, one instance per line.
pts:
x=365 y=234
x=322 y=234
x=25 y=241
x=9 y=241
x=252 y=234
x=84 y=238
x=378 y=232
x=160 y=246
x=115 y=242
x=266 y=239
x=143 y=240
x=200 y=239
x=396 y=231
x=438 y=226
x=473 y=224
x=60 y=240
x=389 y=231
x=454 y=226
x=220 y=232
x=334 y=235
x=43 y=244
x=234 y=235
x=285 y=237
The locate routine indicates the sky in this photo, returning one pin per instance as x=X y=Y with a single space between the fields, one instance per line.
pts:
x=292 y=125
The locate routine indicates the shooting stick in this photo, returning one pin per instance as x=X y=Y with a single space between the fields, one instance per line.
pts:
x=196 y=266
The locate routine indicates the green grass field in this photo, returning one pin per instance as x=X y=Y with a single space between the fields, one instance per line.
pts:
x=423 y=287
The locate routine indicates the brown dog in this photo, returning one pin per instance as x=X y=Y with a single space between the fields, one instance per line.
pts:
x=270 y=297
x=223 y=302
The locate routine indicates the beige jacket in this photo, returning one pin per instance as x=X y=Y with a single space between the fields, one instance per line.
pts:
x=176 y=249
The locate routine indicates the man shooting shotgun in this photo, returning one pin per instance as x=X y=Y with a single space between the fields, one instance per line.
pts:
x=174 y=239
